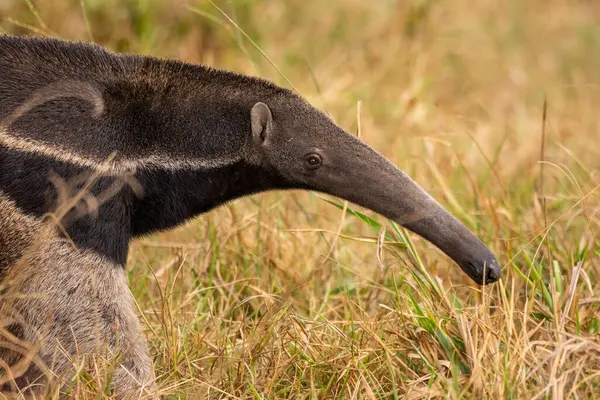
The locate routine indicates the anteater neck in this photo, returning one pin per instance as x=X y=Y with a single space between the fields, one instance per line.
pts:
x=170 y=197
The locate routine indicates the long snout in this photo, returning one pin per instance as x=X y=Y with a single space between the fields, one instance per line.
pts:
x=371 y=181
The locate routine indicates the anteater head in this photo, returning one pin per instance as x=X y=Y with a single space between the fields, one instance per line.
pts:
x=309 y=151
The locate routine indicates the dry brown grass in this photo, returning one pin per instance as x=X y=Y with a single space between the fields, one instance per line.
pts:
x=284 y=295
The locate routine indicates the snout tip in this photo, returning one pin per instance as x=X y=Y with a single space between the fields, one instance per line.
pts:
x=488 y=271
x=492 y=270
x=485 y=271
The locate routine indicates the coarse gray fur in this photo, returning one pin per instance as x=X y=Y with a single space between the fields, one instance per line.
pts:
x=191 y=138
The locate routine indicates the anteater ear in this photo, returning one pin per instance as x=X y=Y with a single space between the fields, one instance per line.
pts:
x=261 y=122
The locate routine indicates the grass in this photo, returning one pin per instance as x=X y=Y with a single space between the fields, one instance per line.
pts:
x=490 y=106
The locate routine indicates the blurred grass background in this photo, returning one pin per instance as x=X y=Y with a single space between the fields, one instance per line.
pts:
x=284 y=295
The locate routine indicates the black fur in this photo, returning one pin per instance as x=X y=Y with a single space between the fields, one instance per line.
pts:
x=168 y=200
x=25 y=178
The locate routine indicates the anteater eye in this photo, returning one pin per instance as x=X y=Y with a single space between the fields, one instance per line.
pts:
x=313 y=161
